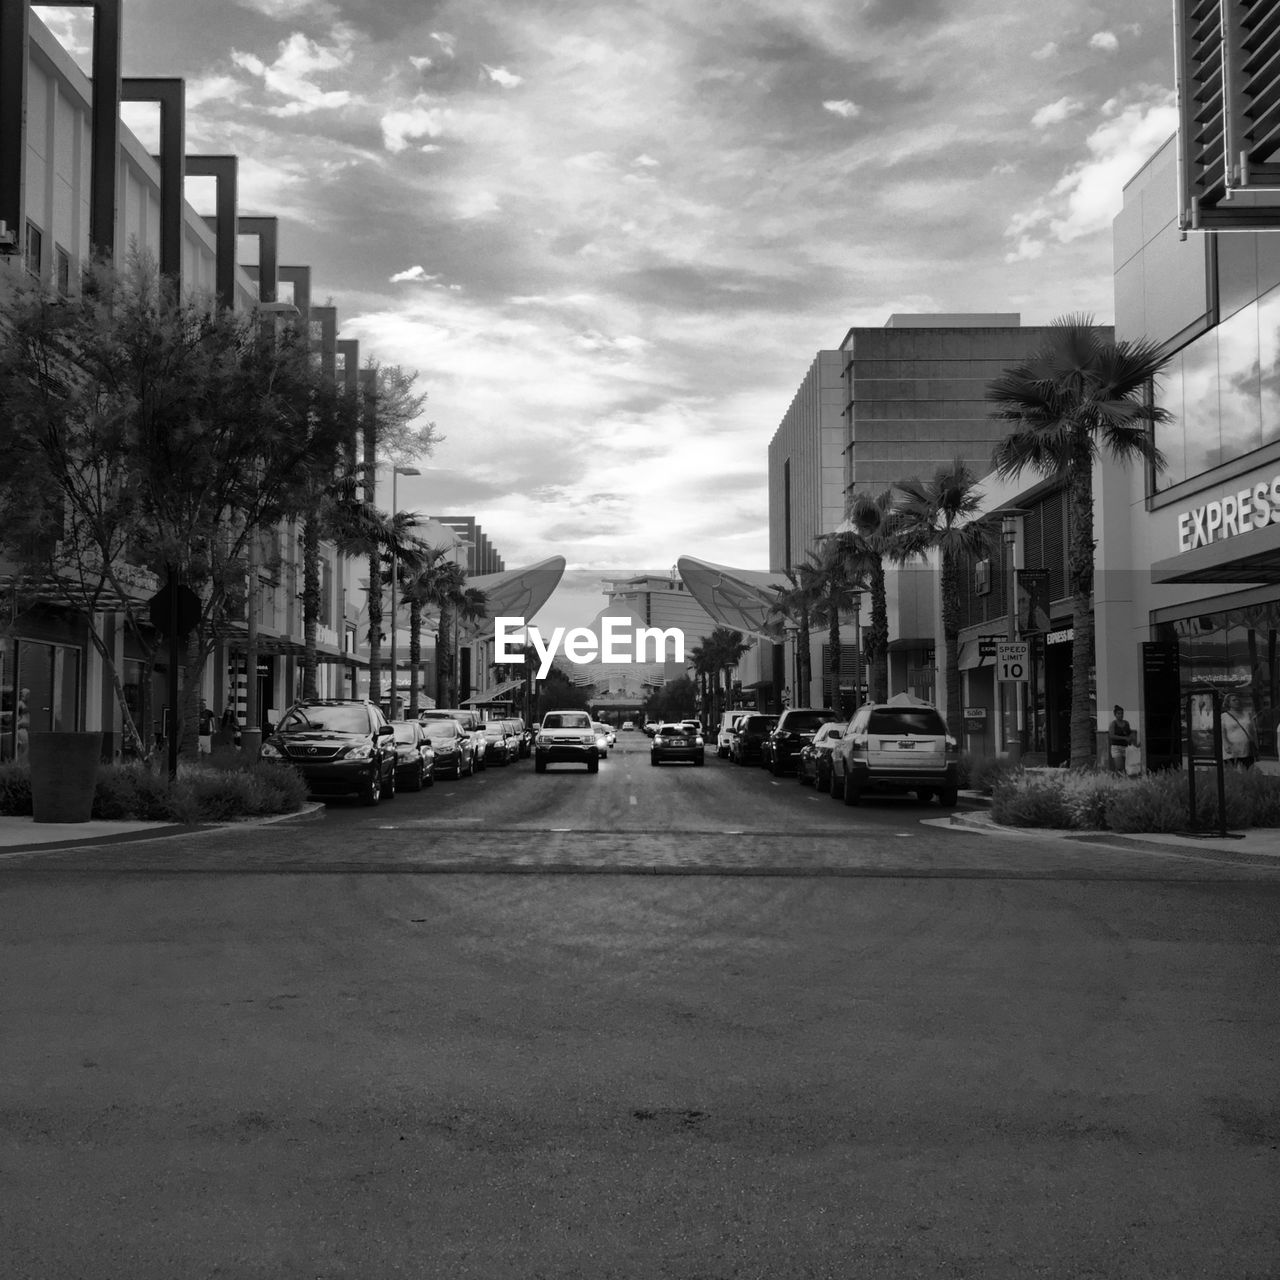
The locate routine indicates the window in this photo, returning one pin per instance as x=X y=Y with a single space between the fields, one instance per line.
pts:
x=35 y=250
x=64 y=270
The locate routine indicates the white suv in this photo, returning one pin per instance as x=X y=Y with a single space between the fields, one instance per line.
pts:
x=724 y=737
x=896 y=747
x=568 y=737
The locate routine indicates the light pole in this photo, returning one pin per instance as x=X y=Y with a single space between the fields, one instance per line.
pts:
x=395 y=574
x=1010 y=526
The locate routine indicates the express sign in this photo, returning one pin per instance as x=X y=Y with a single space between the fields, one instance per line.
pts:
x=1235 y=513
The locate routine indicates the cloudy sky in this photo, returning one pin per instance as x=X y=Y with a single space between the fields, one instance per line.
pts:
x=610 y=235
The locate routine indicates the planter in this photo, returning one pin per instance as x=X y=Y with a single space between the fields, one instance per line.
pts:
x=64 y=772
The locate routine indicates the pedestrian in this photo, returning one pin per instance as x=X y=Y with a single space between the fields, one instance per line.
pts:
x=1239 y=737
x=207 y=725
x=231 y=724
x=1119 y=735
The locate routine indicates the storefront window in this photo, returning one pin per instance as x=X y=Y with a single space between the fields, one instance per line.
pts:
x=1237 y=652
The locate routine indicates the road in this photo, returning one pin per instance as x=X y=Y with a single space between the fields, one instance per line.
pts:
x=405 y=1042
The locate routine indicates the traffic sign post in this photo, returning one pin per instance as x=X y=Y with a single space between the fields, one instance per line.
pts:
x=1013 y=661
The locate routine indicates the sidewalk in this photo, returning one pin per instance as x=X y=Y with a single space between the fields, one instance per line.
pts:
x=18 y=835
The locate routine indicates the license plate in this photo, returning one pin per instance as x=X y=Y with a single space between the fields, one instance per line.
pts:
x=906 y=746
x=677 y=742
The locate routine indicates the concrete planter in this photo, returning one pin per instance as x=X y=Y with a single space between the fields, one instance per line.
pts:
x=64 y=772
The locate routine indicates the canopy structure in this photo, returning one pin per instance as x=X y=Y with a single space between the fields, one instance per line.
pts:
x=742 y=599
x=513 y=593
x=492 y=694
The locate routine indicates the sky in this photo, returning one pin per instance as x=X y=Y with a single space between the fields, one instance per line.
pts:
x=610 y=236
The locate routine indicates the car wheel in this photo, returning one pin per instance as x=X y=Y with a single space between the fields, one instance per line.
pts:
x=947 y=797
x=837 y=785
x=420 y=777
x=429 y=775
x=924 y=794
x=653 y=760
x=722 y=753
x=593 y=766
x=389 y=787
x=469 y=771
x=802 y=778
x=699 y=760
x=539 y=765
x=371 y=792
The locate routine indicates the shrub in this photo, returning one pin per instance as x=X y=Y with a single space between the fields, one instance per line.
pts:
x=1030 y=800
x=986 y=772
x=1154 y=802
x=15 y=790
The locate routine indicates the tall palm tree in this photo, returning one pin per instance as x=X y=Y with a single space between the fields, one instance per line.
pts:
x=1080 y=397
x=421 y=588
x=942 y=515
x=871 y=517
x=700 y=657
x=795 y=604
x=443 y=586
x=726 y=647
x=839 y=583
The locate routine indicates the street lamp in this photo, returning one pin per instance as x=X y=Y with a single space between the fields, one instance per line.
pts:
x=395 y=472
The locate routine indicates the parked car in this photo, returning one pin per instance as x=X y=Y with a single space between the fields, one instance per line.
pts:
x=522 y=734
x=896 y=747
x=566 y=737
x=650 y=728
x=415 y=756
x=677 y=742
x=813 y=766
x=455 y=751
x=628 y=726
x=724 y=735
x=602 y=738
x=501 y=746
x=780 y=751
x=749 y=736
x=471 y=721
x=340 y=746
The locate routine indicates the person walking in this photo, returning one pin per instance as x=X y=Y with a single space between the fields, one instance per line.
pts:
x=207 y=725
x=1239 y=737
x=1119 y=737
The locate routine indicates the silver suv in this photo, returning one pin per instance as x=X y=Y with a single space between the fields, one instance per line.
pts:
x=894 y=747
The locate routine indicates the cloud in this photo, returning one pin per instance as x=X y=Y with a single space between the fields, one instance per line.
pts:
x=1046 y=51
x=1086 y=199
x=500 y=75
x=413 y=273
x=841 y=107
x=1057 y=112
x=447 y=43
x=289 y=10
x=423 y=118
x=291 y=75
x=1104 y=40
x=422 y=64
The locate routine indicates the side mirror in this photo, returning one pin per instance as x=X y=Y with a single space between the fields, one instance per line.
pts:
x=384 y=730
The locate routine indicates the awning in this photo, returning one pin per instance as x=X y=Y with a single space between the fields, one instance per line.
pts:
x=741 y=599
x=972 y=656
x=1251 y=558
x=494 y=694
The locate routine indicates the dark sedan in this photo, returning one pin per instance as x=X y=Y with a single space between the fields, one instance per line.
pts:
x=455 y=752
x=813 y=766
x=415 y=756
x=677 y=742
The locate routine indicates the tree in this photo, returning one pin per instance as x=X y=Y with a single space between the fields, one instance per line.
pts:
x=725 y=648
x=559 y=693
x=942 y=515
x=1080 y=397
x=149 y=438
x=872 y=519
x=839 y=578
x=676 y=700
x=794 y=604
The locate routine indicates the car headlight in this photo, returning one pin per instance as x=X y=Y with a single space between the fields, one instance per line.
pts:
x=268 y=752
x=697 y=742
x=361 y=751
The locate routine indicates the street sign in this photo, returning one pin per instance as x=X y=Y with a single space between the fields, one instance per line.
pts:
x=188 y=609
x=1013 y=661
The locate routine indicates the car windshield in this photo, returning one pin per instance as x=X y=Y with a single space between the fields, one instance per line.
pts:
x=672 y=728
x=440 y=729
x=757 y=724
x=325 y=720
x=406 y=731
x=807 y=721
x=902 y=720
x=494 y=731
x=566 y=720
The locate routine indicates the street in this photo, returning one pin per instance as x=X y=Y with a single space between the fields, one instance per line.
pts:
x=437 y=1039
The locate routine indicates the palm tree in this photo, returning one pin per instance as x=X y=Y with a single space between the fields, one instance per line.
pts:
x=725 y=647
x=839 y=582
x=795 y=604
x=700 y=658
x=942 y=515
x=1081 y=396
x=420 y=587
x=442 y=585
x=871 y=517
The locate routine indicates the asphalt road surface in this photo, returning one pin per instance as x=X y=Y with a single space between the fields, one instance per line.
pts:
x=666 y=1022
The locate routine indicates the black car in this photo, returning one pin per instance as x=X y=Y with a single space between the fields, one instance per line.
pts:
x=415 y=756
x=813 y=768
x=677 y=742
x=455 y=751
x=749 y=736
x=780 y=751
x=341 y=746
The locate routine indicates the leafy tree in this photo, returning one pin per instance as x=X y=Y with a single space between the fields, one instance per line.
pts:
x=838 y=579
x=148 y=437
x=558 y=692
x=676 y=700
x=1080 y=397
x=942 y=515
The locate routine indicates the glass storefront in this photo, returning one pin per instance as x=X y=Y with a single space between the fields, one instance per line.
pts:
x=1237 y=652
x=39 y=690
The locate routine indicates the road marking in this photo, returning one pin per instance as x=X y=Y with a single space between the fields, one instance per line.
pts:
x=633 y=800
x=559 y=828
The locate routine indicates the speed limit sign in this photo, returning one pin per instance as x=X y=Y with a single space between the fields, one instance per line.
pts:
x=1013 y=661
